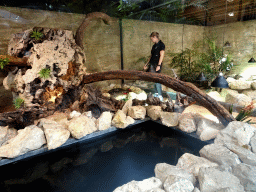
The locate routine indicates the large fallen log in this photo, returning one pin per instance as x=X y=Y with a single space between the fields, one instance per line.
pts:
x=180 y=86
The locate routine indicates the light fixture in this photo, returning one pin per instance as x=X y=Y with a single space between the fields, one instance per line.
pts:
x=231 y=14
x=201 y=77
x=227 y=44
x=220 y=82
x=252 y=60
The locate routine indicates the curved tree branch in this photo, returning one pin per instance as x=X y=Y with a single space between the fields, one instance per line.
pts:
x=80 y=31
x=186 y=88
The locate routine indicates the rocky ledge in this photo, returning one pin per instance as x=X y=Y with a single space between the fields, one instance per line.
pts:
x=227 y=164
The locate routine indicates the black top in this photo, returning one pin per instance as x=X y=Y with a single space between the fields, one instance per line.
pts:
x=155 y=52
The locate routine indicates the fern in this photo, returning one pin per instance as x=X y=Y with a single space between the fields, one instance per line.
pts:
x=3 y=62
x=18 y=102
x=45 y=73
x=36 y=35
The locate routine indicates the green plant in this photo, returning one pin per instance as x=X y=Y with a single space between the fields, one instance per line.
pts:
x=36 y=35
x=45 y=73
x=18 y=102
x=244 y=114
x=3 y=62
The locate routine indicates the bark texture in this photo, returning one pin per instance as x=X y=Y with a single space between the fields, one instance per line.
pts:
x=180 y=86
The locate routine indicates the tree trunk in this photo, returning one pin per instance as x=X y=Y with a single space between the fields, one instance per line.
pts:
x=15 y=61
x=180 y=86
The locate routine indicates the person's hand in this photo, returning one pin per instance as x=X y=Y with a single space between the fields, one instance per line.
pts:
x=157 y=68
x=146 y=66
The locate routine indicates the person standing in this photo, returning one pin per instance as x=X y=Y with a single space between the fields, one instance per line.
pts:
x=155 y=61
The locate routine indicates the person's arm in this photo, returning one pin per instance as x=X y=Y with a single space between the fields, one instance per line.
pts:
x=160 y=60
x=145 y=66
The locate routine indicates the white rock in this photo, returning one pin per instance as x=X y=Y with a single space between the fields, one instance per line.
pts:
x=154 y=112
x=253 y=85
x=137 y=112
x=104 y=121
x=196 y=190
x=178 y=184
x=126 y=106
x=87 y=114
x=247 y=176
x=142 y=96
x=129 y=187
x=81 y=126
x=187 y=122
x=149 y=184
x=219 y=154
x=239 y=84
x=163 y=170
x=245 y=155
x=28 y=139
x=215 y=95
x=237 y=132
x=253 y=143
x=238 y=99
x=74 y=114
x=3 y=134
x=169 y=119
x=212 y=180
x=120 y=120
x=193 y=163
x=156 y=190
x=207 y=129
x=56 y=134
x=131 y=95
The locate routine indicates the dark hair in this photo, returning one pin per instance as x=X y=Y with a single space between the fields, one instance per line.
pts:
x=153 y=34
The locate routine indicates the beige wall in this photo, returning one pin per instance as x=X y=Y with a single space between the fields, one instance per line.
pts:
x=102 y=42
x=242 y=36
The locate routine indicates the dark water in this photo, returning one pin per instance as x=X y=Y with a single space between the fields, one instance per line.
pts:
x=102 y=164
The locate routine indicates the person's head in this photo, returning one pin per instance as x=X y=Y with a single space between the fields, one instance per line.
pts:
x=154 y=36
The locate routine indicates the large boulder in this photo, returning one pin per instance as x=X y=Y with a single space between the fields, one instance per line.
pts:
x=244 y=155
x=212 y=180
x=104 y=121
x=239 y=84
x=163 y=170
x=137 y=112
x=193 y=163
x=154 y=111
x=169 y=119
x=57 y=51
x=219 y=154
x=208 y=129
x=3 y=134
x=187 y=122
x=177 y=184
x=81 y=126
x=28 y=139
x=247 y=176
x=56 y=134
x=236 y=132
x=120 y=120
x=238 y=99
x=251 y=94
x=216 y=95
x=147 y=185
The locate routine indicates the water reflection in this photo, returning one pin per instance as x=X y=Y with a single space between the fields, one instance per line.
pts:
x=101 y=165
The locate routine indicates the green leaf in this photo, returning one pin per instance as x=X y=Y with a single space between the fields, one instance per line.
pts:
x=18 y=102
x=45 y=73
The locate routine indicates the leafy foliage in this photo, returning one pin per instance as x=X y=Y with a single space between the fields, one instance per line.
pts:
x=3 y=62
x=36 y=35
x=193 y=61
x=45 y=73
x=244 y=114
x=18 y=103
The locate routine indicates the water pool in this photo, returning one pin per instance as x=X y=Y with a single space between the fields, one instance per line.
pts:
x=102 y=164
